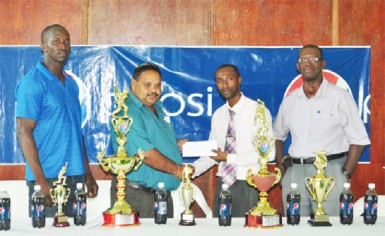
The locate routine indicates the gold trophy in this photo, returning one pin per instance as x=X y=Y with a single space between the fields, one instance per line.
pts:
x=59 y=194
x=121 y=214
x=263 y=215
x=319 y=187
x=187 y=196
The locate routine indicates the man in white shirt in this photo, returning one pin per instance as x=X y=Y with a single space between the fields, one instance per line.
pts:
x=320 y=116
x=244 y=155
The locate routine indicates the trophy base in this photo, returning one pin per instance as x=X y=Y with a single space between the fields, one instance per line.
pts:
x=187 y=219
x=60 y=221
x=124 y=220
x=263 y=221
x=319 y=220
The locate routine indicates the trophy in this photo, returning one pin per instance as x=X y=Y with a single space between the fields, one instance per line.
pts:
x=121 y=214
x=319 y=187
x=187 y=196
x=59 y=194
x=263 y=215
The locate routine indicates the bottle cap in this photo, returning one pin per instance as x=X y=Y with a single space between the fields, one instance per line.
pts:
x=37 y=187
x=160 y=185
x=346 y=185
x=79 y=185
x=372 y=185
x=225 y=186
x=293 y=185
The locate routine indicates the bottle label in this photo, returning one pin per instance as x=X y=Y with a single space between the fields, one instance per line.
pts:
x=346 y=208
x=37 y=211
x=5 y=213
x=370 y=208
x=292 y=208
x=79 y=208
x=225 y=209
x=160 y=208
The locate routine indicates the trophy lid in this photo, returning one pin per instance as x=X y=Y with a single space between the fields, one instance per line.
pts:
x=372 y=185
x=79 y=185
x=293 y=185
x=37 y=187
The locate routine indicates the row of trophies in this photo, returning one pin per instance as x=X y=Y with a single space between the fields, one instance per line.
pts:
x=261 y=216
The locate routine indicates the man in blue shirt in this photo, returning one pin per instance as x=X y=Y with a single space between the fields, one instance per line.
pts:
x=152 y=132
x=49 y=122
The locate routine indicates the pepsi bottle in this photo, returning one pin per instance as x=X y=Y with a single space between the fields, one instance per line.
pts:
x=79 y=206
x=346 y=205
x=293 y=200
x=370 y=205
x=160 y=205
x=225 y=205
x=37 y=208
x=5 y=210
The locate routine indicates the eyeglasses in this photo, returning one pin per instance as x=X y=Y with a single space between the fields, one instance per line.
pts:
x=303 y=60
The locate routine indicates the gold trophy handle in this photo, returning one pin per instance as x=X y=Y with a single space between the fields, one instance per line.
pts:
x=308 y=186
x=277 y=175
x=139 y=157
x=249 y=179
x=331 y=184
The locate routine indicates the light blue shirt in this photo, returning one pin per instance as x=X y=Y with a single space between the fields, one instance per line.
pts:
x=149 y=131
x=56 y=109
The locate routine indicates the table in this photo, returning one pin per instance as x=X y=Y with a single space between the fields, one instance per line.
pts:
x=203 y=227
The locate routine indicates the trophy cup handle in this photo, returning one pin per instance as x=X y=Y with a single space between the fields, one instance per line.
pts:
x=277 y=175
x=249 y=179
x=53 y=196
x=331 y=184
x=139 y=157
x=308 y=186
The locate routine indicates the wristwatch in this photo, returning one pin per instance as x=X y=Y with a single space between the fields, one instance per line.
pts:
x=346 y=173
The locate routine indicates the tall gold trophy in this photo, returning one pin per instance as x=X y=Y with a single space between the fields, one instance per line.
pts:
x=121 y=214
x=59 y=194
x=263 y=215
x=319 y=187
x=187 y=196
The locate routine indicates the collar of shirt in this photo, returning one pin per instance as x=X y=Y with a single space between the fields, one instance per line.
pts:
x=237 y=107
x=320 y=92
x=46 y=72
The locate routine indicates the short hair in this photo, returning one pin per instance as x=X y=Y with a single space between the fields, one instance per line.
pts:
x=313 y=46
x=50 y=27
x=229 y=65
x=144 y=67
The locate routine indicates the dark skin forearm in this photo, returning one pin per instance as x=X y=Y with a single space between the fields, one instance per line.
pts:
x=157 y=160
x=279 y=155
x=92 y=186
x=27 y=143
x=353 y=157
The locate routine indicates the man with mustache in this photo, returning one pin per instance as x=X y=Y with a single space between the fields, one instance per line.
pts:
x=48 y=116
x=152 y=132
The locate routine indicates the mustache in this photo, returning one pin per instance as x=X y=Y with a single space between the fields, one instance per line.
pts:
x=153 y=94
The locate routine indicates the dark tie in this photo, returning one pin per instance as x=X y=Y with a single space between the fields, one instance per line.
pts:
x=228 y=172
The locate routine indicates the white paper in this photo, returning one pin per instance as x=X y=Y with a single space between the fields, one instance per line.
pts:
x=199 y=148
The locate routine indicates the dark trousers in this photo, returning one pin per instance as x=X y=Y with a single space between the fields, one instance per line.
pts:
x=244 y=197
x=140 y=200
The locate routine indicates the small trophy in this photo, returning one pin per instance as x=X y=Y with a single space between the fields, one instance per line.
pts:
x=59 y=194
x=187 y=196
x=121 y=214
x=319 y=187
x=263 y=215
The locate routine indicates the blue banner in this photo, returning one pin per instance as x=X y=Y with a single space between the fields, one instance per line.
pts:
x=189 y=93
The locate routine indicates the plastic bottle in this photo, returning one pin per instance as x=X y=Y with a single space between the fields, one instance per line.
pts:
x=5 y=210
x=346 y=205
x=293 y=200
x=37 y=208
x=225 y=206
x=80 y=205
x=370 y=205
x=160 y=204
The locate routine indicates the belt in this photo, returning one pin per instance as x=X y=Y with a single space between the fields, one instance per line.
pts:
x=135 y=185
x=310 y=160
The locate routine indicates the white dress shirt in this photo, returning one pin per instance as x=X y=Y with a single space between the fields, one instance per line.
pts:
x=246 y=155
x=328 y=122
